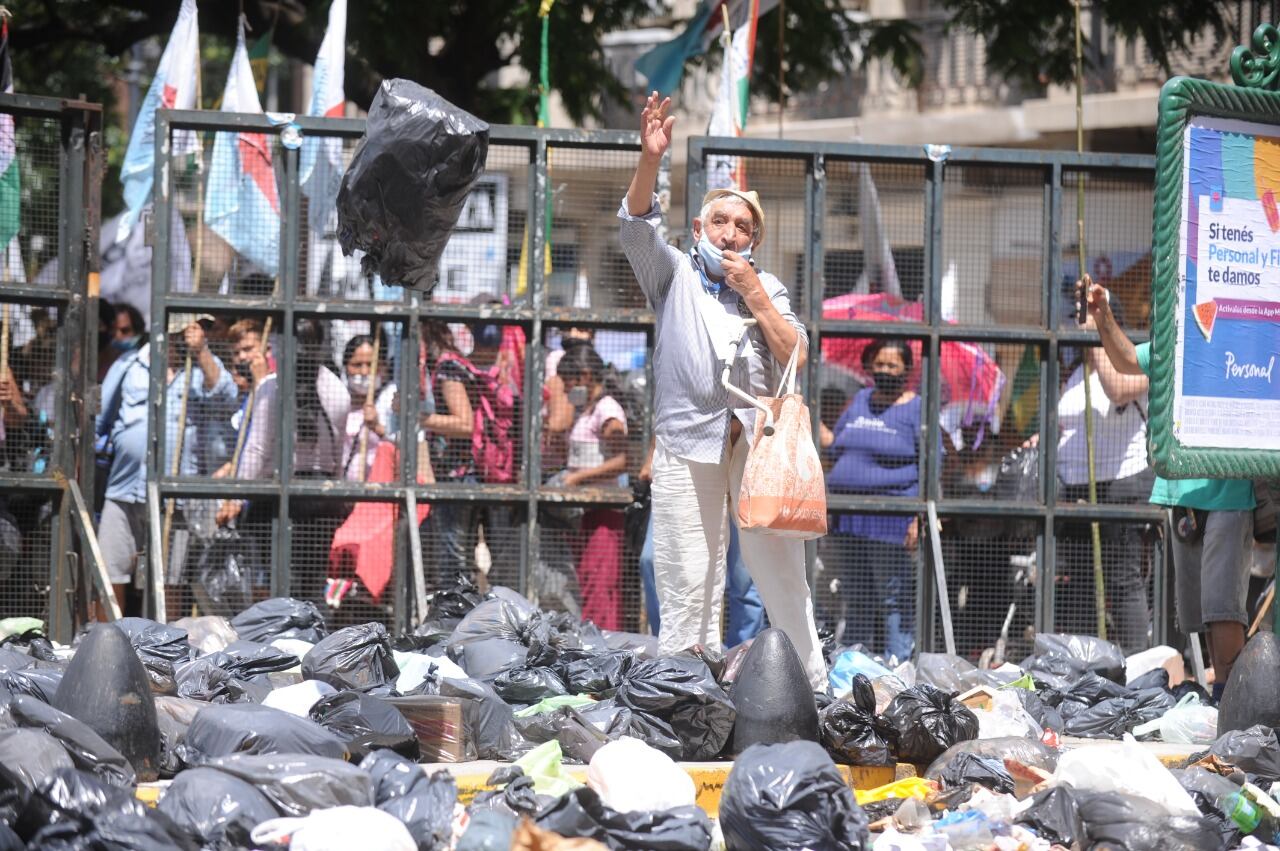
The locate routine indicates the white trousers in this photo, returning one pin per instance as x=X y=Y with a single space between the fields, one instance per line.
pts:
x=690 y=536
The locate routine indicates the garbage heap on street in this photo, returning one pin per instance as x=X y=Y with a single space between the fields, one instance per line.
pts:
x=269 y=731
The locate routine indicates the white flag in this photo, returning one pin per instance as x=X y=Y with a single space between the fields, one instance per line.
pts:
x=174 y=87
x=729 y=116
x=877 y=255
x=320 y=165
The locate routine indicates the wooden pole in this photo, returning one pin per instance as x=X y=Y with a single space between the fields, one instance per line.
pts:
x=369 y=396
x=1095 y=531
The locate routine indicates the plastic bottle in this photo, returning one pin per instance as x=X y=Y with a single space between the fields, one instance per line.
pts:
x=1248 y=817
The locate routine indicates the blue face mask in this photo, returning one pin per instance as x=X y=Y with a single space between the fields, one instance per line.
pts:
x=127 y=344
x=712 y=256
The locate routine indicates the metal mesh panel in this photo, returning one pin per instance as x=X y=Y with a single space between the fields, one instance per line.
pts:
x=872 y=207
x=588 y=566
x=992 y=575
x=587 y=266
x=25 y=544
x=993 y=237
x=865 y=589
x=31 y=394
x=452 y=532
x=224 y=219
x=37 y=157
x=1118 y=209
x=214 y=568
x=1128 y=563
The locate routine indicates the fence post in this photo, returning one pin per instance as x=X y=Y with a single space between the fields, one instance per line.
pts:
x=1049 y=381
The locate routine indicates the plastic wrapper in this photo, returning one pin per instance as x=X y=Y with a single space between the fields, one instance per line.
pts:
x=356 y=657
x=528 y=685
x=222 y=730
x=297 y=784
x=160 y=647
x=1115 y=716
x=581 y=813
x=408 y=181
x=88 y=751
x=681 y=692
x=280 y=617
x=216 y=808
x=789 y=796
x=628 y=775
x=1060 y=659
x=849 y=663
x=336 y=829
x=1019 y=476
x=928 y=722
x=207 y=633
x=1255 y=751
x=422 y=802
x=855 y=736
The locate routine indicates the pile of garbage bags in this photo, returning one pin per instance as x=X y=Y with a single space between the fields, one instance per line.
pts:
x=271 y=730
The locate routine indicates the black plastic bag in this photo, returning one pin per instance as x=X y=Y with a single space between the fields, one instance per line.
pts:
x=223 y=573
x=408 y=182
x=1093 y=689
x=1115 y=716
x=28 y=757
x=422 y=802
x=1255 y=751
x=89 y=751
x=790 y=796
x=967 y=769
x=1019 y=476
x=224 y=729
x=280 y=617
x=249 y=659
x=582 y=813
x=218 y=809
x=351 y=715
x=356 y=657
x=1045 y=715
x=856 y=736
x=40 y=683
x=1252 y=693
x=548 y=635
x=928 y=722
x=488 y=830
x=586 y=728
x=487 y=721
x=1054 y=815
x=204 y=679
x=1060 y=659
x=515 y=798
x=681 y=692
x=504 y=616
x=1155 y=678
x=488 y=657
x=454 y=603
x=528 y=685
x=298 y=784
x=160 y=648
x=1118 y=820
x=37 y=646
x=585 y=672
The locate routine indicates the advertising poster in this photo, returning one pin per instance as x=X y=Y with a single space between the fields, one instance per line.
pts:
x=1226 y=386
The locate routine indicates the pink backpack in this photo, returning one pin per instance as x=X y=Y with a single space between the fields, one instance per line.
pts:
x=493 y=420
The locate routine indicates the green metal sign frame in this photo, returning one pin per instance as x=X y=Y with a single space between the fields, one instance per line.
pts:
x=1253 y=98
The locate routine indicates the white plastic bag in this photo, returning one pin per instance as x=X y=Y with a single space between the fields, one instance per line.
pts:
x=628 y=775
x=337 y=829
x=414 y=668
x=1189 y=722
x=298 y=698
x=1124 y=767
x=1007 y=717
x=1148 y=660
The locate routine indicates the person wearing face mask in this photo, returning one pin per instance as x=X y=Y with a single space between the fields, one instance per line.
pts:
x=597 y=457
x=700 y=300
x=876 y=449
x=374 y=419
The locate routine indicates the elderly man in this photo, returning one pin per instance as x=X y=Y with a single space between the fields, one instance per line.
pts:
x=701 y=299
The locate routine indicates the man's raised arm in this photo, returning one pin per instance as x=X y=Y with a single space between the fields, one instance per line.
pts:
x=655 y=139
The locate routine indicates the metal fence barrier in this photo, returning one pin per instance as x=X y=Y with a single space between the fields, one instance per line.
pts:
x=382 y=512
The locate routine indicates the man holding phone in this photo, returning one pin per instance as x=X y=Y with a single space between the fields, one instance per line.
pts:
x=1212 y=520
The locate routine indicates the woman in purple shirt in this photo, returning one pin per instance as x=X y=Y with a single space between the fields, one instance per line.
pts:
x=876 y=450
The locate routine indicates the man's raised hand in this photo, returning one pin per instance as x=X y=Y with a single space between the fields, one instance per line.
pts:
x=656 y=127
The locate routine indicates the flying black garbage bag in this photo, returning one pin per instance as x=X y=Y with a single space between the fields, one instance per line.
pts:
x=280 y=617
x=159 y=646
x=298 y=784
x=681 y=694
x=790 y=796
x=1255 y=751
x=408 y=182
x=88 y=751
x=1252 y=695
x=581 y=813
x=106 y=688
x=771 y=695
x=355 y=657
x=422 y=802
x=224 y=729
x=928 y=722
x=218 y=809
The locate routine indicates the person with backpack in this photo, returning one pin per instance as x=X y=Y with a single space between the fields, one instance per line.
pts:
x=597 y=456
x=1212 y=522
x=701 y=300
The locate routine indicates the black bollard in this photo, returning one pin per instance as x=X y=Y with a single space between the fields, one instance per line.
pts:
x=106 y=688
x=1252 y=695
x=772 y=695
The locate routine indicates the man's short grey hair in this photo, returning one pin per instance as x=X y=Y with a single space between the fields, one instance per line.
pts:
x=731 y=199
